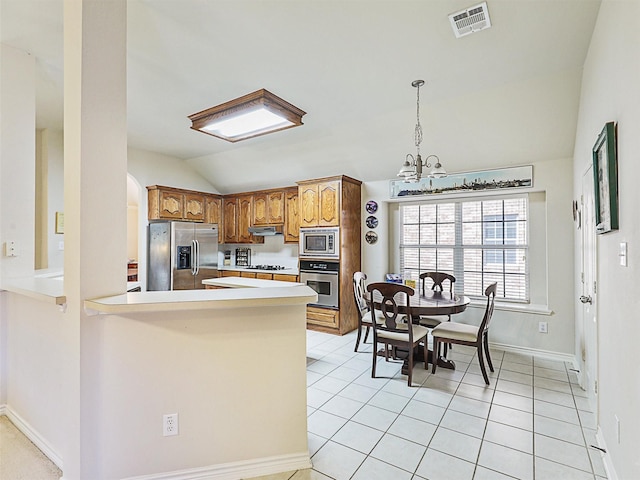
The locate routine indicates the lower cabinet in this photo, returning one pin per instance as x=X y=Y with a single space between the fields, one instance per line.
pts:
x=284 y=277
x=323 y=319
x=229 y=273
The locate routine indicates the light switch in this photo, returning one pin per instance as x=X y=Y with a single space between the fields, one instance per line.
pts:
x=623 y=254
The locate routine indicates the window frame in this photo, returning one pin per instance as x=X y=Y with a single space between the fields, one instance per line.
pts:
x=459 y=248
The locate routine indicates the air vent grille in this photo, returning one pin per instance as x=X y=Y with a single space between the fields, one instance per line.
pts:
x=470 y=20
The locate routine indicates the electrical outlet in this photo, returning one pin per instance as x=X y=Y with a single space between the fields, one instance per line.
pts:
x=170 y=424
x=542 y=327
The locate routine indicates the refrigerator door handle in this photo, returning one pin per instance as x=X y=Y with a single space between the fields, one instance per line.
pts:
x=197 y=257
x=194 y=254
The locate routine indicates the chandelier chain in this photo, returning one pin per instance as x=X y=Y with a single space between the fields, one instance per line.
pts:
x=418 y=130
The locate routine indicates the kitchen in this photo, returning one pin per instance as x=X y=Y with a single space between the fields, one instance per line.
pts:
x=554 y=170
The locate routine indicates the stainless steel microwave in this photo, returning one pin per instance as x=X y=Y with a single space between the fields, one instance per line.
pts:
x=323 y=242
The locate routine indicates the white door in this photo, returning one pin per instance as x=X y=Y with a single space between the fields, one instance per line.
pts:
x=589 y=337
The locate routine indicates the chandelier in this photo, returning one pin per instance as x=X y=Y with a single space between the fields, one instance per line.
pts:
x=411 y=170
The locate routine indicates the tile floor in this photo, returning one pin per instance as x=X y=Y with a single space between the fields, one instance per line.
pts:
x=532 y=422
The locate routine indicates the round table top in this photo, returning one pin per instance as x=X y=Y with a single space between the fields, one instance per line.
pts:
x=432 y=303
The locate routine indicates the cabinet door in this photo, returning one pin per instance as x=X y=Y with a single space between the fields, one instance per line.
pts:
x=275 y=208
x=193 y=207
x=230 y=273
x=260 y=209
x=213 y=214
x=171 y=204
x=283 y=277
x=329 y=204
x=264 y=276
x=292 y=218
x=230 y=220
x=245 y=211
x=308 y=205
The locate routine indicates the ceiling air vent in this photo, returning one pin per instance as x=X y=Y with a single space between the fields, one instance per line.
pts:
x=470 y=20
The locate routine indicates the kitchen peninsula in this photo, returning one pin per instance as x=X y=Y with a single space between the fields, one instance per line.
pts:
x=231 y=363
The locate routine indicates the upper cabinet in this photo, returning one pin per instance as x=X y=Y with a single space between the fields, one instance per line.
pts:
x=176 y=204
x=238 y=214
x=291 y=215
x=319 y=203
x=268 y=207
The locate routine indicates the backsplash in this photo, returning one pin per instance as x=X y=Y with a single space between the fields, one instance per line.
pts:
x=272 y=252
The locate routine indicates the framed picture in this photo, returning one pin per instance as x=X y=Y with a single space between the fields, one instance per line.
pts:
x=605 y=175
x=59 y=222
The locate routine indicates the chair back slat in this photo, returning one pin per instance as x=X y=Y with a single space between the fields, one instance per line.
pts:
x=359 y=281
x=490 y=292
x=389 y=294
x=438 y=279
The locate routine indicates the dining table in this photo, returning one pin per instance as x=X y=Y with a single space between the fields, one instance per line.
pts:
x=428 y=303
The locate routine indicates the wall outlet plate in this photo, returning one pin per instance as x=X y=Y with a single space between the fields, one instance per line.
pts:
x=170 y=424
x=542 y=327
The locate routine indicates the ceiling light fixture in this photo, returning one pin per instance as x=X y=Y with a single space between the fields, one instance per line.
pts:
x=249 y=116
x=411 y=170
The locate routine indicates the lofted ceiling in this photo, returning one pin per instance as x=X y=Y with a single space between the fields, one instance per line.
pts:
x=507 y=95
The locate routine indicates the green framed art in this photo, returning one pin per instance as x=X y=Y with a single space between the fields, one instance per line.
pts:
x=605 y=175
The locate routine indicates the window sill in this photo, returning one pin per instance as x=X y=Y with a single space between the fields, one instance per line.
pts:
x=534 y=309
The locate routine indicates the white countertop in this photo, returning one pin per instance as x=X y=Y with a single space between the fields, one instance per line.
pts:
x=203 y=299
x=49 y=289
x=241 y=282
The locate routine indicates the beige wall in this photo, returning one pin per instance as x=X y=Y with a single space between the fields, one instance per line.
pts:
x=610 y=92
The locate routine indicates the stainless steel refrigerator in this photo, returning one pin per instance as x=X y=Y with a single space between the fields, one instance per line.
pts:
x=181 y=255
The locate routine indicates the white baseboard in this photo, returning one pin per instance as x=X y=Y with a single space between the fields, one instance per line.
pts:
x=33 y=435
x=562 y=357
x=236 y=470
x=606 y=458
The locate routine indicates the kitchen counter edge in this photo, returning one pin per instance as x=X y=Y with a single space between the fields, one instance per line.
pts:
x=180 y=300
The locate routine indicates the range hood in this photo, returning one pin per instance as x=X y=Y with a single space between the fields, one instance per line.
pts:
x=266 y=231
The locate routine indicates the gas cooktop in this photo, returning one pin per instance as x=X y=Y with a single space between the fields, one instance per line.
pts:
x=266 y=267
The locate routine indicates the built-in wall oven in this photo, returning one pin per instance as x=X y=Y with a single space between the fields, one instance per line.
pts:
x=322 y=276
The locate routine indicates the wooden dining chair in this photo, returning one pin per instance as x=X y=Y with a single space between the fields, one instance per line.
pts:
x=471 y=335
x=364 y=317
x=439 y=280
x=383 y=300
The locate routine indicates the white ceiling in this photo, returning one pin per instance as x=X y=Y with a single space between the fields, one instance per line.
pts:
x=507 y=95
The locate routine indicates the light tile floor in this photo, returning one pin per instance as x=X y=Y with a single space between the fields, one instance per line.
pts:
x=532 y=422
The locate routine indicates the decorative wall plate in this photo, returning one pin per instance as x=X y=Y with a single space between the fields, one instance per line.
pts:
x=371 y=237
x=371 y=206
x=372 y=222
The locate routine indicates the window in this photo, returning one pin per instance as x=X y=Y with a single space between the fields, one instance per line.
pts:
x=479 y=242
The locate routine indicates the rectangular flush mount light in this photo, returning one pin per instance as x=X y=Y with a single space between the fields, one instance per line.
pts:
x=251 y=115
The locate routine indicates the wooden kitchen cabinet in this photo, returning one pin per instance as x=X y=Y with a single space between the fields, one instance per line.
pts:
x=175 y=204
x=331 y=202
x=291 y=216
x=324 y=319
x=230 y=273
x=213 y=212
x=319 y=203
x=230 y=230
x=268 y=207
x=238 y=212
x=284 y=277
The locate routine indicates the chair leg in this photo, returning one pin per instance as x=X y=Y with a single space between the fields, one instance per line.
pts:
x=435 y=354
x=410 y=366
x=366 y=334
x=481 y=362
x=358 y=338
x=486 y=352
x=425 y=351
x=375 y=355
